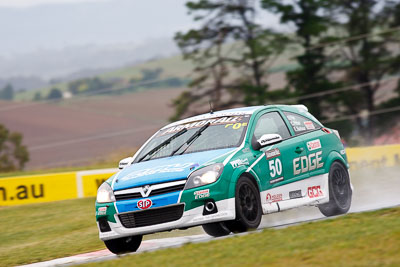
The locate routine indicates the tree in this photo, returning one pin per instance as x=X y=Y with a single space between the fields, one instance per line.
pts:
x=13 y=155
x=369 y=58
x=7 y=93
x=312 y=22
x=150 y=75
x=55 y=94
x=37 y=96
x=231 y=53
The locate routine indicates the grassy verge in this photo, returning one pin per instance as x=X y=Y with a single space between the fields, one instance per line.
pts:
x=369 y=239
x=39 y=232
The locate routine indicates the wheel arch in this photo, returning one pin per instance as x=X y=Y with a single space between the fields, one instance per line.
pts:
x=335 y=156
x=243 y=173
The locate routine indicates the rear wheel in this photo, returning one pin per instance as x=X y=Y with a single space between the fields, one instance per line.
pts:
x=248 y=206
x=216 y=229
x=124 y=245
x=339 y=191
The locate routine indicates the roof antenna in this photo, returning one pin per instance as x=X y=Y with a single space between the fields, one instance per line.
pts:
x=211 y=108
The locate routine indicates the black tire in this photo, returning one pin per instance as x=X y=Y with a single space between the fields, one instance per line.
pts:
x=216 y=229
x=124 y=245
x=339 y=191
x=248 y=206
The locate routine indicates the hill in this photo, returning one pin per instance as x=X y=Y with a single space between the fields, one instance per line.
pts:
x=79 y=131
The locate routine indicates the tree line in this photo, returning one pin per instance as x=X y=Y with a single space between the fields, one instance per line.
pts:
x=345 y=51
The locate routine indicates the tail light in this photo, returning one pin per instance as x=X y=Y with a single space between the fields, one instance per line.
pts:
x=326 y=130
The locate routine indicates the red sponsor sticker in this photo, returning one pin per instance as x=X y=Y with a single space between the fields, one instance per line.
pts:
x=315 y=191
x=309 y=125
x=144 y=204
x=314 y=144
x=274 y=198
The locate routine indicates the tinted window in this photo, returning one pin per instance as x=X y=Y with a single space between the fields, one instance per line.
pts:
x=271 y=123
x=301 y=124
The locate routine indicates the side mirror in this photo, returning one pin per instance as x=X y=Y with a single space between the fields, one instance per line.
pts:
x=267 y=139
x=125 y=162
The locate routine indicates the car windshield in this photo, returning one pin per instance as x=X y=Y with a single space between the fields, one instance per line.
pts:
x=222 y=132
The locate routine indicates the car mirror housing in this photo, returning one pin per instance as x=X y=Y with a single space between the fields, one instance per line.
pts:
x=125 y=162
x=267 y=139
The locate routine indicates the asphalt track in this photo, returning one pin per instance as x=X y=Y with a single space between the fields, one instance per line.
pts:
x=371 y=193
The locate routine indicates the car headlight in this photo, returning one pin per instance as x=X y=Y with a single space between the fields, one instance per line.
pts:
x=203 y=176
x=105 y=194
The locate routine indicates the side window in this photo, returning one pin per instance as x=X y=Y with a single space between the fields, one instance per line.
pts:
x=271 y=123
x=301 y=124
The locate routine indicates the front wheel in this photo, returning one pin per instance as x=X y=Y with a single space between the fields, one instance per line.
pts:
x=216 y=229
x=124 y=244
x=339 y=192
x=248 y=206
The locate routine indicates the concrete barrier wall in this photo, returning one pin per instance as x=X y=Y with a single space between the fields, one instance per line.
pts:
x=60 y=186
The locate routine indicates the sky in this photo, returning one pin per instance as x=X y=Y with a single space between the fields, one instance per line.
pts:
x=29 y=25
x=26 y=25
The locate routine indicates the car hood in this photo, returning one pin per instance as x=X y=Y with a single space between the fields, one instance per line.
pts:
x=164 y=169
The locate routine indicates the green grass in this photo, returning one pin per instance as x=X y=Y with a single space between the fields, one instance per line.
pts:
x=368 y=239
x=39 y=232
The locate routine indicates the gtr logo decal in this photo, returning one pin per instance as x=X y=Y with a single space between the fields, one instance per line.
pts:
x=315 y=191
x=304 y=164
x=144 y=204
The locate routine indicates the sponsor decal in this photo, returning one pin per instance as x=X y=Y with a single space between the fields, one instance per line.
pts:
x=314 y=144
x=236 y=126
x=144 y=204
x=267 y=140
x=232 y=120
x=272 y=153
x=295 y=194
x=239 y=162
x=246 y=150
x=291 y=117
x=295 y=123
x=343 y=152
x=102 y=211
x=273 y=198
x=274 y=181
x=309 y=125
x=202 y=193
x=177 y=167
x=299 y=128
x=307 y=163
x=315 y=191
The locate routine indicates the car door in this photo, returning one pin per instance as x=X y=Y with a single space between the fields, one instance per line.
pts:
x=275 y=166
x=315 y=140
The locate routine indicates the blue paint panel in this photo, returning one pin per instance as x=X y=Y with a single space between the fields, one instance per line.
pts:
x=164 y=169
x=158 y=201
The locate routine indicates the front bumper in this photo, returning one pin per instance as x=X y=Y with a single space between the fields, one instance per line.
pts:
x=192 y=217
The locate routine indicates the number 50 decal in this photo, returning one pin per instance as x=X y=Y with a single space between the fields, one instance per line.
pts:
x=275 y=167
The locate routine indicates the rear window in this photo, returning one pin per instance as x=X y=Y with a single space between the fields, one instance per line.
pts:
x=301 y=124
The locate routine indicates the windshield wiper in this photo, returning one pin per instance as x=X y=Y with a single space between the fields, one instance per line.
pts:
x=163 y=144
x=190 y=140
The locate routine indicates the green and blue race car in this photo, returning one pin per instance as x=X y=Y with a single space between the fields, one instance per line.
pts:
x=224 y=170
